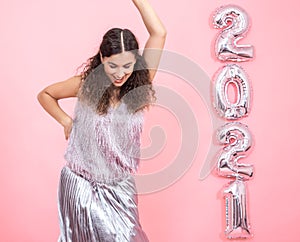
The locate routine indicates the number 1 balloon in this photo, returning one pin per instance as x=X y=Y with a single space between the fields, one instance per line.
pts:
x=237 y=221
x=234 y=23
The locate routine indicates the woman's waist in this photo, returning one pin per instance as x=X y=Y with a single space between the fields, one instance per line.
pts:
x=101 y=164
x=97 y=174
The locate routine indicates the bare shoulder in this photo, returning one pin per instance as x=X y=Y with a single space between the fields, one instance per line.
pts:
x=65 y=89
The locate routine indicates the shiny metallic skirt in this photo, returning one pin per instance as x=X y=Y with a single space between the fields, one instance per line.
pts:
x=92 y=211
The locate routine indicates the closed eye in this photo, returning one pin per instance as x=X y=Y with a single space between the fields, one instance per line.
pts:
x=127 y=66
x=112 y=66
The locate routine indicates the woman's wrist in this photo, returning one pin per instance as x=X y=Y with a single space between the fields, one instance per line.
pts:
x=66 y=121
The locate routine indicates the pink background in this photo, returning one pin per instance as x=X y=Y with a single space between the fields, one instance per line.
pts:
x=45 y=41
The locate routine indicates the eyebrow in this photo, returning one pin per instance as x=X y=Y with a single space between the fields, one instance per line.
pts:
x=129 y=63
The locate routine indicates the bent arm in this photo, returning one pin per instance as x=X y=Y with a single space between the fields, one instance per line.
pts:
x=48 y=98
x=157 y=35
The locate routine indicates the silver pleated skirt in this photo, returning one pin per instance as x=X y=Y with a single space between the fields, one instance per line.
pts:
x=92 y=211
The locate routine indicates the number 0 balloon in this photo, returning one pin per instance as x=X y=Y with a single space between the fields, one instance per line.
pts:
x=232 y=74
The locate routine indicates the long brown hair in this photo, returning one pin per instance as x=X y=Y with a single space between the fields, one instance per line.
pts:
x=137 y=92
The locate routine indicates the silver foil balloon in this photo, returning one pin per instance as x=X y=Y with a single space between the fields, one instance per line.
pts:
x=237 y=221
x=234 y=74
x=234 y=23
x=237 y=140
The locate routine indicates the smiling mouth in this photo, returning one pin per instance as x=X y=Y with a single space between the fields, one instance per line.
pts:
x=119 y=80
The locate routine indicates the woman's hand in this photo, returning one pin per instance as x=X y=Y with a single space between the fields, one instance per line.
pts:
x=67 y=123
x=49 y=97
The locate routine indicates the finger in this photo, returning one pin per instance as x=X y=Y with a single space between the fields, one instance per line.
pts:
x=66 y=134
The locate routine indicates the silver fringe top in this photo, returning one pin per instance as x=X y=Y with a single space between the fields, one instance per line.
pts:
x=104 y=148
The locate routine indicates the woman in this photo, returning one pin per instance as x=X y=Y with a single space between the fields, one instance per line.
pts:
x=97 y=194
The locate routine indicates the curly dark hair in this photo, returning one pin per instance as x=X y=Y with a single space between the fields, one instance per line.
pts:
x=97 y=90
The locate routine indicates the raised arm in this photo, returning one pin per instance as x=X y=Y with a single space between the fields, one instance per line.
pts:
x=157 y=35
x=49 y=97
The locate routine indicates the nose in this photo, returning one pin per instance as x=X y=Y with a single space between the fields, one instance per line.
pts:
x=119 y=74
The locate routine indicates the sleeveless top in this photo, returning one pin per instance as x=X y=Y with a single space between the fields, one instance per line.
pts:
x=104 y=148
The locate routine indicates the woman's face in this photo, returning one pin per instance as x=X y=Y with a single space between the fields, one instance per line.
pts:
x=119 y=67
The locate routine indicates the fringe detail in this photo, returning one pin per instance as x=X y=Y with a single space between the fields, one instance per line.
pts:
x=104 y=147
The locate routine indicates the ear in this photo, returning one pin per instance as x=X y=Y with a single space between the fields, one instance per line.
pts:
x=101 y=58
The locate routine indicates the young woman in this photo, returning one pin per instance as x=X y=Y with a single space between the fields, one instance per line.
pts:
x=97 y=195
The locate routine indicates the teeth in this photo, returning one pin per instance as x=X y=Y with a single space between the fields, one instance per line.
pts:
x=119 y=80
